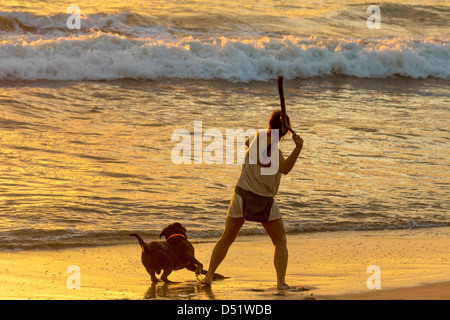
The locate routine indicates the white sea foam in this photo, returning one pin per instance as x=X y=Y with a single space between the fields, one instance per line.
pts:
x=106 y=56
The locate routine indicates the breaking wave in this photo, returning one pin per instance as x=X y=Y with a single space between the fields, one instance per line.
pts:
x=107 y=56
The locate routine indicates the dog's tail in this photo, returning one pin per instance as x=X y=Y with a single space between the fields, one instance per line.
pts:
x=138 y=237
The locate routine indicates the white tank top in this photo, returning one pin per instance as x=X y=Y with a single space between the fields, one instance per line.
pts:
x=253 y=180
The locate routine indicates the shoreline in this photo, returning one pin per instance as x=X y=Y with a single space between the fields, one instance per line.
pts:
x=414 y=264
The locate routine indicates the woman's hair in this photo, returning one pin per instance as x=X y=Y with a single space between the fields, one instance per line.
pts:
x=275 y=122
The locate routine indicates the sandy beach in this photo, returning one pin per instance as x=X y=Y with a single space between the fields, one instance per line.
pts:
x=413 y=264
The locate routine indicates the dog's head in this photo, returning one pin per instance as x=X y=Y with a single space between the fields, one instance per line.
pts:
x=173 y=228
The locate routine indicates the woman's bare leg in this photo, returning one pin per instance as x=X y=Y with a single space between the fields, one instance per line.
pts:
x=275 y=229
x=232 y=227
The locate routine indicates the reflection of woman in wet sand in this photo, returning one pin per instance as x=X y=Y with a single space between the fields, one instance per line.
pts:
x=255 y=192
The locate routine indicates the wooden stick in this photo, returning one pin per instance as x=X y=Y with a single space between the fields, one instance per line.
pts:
x=283 y=106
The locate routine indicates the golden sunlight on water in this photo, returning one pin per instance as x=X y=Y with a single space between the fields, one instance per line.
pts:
x=96 y=156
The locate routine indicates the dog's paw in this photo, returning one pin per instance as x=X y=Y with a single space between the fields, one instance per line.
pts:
x=199 y=270
x=200 y=277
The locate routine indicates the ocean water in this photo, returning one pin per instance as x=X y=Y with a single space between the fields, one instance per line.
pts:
x=87 y=115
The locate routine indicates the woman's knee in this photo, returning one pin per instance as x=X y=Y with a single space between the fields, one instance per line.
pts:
x=275 y=229
x=232 y=228
x=280 y=240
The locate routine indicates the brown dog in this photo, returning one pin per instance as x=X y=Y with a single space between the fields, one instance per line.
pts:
x=173 y=254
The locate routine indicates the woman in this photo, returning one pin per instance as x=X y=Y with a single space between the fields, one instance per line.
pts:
x=261 y=187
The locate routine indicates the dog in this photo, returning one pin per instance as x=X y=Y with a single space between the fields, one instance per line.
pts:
x=175 y=253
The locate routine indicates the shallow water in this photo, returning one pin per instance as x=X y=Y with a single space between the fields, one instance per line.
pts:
x=85 y=163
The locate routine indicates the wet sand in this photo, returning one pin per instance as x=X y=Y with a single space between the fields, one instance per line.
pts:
x=413 y=264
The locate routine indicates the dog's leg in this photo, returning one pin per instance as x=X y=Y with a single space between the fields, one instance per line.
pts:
x=197 y=268
x=194 y=265
x=151 y=272
x=165 y=274
x=167 y=270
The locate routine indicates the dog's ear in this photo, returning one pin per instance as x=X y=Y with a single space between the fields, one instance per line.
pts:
x=163 y=233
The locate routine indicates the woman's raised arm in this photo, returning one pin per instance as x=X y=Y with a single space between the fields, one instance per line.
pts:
x=286 y=165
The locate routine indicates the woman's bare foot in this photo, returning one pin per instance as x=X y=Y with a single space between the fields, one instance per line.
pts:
x=206 y=281
x=283 y=286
